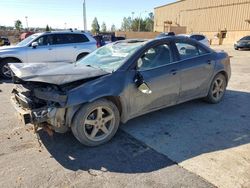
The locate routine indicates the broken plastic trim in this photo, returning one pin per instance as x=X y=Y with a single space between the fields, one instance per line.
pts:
x=50 y=96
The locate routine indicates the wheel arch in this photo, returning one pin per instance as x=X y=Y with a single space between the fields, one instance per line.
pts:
x=72 y=111
x=80 y=54
x=224 y=73
x=11 y=57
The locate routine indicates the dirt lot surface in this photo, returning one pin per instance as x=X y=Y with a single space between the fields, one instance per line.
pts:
x=191 y=145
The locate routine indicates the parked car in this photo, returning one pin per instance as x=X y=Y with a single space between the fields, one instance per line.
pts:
x=120 y=38
x=243 y=43
x=4 y=41
x=116 y=83
x=165 y=34
x=47 y=47
x=199 y=37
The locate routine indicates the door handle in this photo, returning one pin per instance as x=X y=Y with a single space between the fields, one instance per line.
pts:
x=174 y=71
x=50 y=49
x=75 y=46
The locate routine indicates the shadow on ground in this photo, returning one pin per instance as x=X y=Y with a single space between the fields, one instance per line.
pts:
x=122 y=154
x=181 y=132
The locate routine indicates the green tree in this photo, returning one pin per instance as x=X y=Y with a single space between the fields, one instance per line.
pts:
x=18 y=25
x=104 y=27
x=113 y=28
x=127 y=24
x=95 y=26
x=149 y=22
x=138 y=23
x=47 y=28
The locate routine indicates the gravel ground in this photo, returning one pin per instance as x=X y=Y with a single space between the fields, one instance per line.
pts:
x=191 y=145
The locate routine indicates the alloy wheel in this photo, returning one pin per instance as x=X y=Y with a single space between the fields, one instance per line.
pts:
x=99 y=123
x=218 y=88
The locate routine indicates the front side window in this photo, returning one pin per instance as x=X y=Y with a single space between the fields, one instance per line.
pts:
x=187 y=50
x=155 y=57
x=45 y=40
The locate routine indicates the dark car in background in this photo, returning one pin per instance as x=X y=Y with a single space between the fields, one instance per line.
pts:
x=165 y=34
x=243 y=43
x=4 y=41
x=102 y=40
x=116 y=83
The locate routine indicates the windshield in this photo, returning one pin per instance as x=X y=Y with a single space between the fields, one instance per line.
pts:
x=27 y=40
x=111 y=56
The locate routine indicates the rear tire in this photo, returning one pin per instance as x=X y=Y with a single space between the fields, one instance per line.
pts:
x=217 y=89
x=96 y=123
x=5 y=71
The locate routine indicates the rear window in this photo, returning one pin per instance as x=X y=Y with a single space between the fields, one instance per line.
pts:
x=246 y=38
x=197 y=37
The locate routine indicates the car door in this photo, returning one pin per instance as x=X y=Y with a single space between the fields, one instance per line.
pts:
x=65 y=47
x=159 y=71
x=196 y=69
x=44 y=51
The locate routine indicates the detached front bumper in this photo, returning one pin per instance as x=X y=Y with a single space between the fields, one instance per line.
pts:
x=40 y=117
x=35 y=116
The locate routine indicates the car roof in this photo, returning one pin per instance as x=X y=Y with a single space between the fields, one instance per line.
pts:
x=146 y=41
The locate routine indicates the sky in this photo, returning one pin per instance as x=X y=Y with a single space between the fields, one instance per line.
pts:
x=69 y=14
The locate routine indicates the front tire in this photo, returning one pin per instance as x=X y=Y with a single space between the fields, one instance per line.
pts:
x=96 y=123
x=217 y=89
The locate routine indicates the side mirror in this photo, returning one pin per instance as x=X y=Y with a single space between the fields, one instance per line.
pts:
x=34 y=44
x=141 y=85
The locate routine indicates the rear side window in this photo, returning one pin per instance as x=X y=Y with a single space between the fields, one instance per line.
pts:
x=70 y=38
x=187 y=50
x=78 y=38
x=197 y=37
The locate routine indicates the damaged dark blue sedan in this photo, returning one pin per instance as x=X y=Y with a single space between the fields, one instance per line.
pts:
x=116 y=83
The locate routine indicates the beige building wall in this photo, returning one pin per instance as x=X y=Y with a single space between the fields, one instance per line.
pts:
x=207 y=16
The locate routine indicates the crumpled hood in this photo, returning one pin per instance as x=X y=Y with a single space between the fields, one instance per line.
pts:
x=54 y=73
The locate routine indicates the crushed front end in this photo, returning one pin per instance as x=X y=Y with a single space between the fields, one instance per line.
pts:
x=40 y=105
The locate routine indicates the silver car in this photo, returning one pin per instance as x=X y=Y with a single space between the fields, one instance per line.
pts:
x=48 y=47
